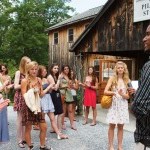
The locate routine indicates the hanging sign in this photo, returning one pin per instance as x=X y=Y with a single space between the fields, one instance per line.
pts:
x=141 y=10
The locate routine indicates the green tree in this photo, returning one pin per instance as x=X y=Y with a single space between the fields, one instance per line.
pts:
x=24 y=24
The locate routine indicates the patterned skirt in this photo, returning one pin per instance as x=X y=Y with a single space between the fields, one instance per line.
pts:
x=28 y=117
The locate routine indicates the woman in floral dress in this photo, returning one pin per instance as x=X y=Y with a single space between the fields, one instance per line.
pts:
x=118 y=113
x=19 y=101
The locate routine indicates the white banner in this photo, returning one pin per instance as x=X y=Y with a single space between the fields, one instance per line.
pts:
x=141 y=10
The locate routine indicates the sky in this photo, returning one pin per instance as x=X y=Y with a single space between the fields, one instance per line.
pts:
x=83 y=5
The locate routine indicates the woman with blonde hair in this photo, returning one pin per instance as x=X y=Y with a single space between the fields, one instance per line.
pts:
x=33 y=83
x=19 y=101
x=118 y=113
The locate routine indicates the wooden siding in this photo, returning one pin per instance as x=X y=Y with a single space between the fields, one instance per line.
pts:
x=115 y=33
x=60 y=53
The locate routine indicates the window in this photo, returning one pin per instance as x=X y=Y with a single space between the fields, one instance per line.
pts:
x=107 y=70
x=55 y=38
x=96 y=67
x=70 y=35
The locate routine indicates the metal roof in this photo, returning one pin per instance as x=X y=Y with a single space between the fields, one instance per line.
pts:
x=91 y=13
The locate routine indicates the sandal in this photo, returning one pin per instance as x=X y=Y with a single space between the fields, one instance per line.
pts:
x=21 y=144
x=46 y=148
x=92 y=124
x=62 y=136
x=30 y=147
x=24 y=142
x=73 y=128
x=52 y=131
x=84 y=123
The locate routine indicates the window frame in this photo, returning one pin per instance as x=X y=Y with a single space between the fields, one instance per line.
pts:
x=68 y=35
x=55 y=43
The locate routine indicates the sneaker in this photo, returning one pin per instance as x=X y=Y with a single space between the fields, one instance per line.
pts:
x=46 y=148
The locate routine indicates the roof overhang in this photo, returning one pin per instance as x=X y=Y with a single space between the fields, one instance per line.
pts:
x=99 y=15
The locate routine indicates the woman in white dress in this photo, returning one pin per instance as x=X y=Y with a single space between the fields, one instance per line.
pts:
x=118 y=112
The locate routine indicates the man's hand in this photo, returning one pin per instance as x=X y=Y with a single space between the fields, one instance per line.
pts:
x=131 y=91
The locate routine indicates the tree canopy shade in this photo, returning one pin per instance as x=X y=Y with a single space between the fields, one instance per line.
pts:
x=22 y=26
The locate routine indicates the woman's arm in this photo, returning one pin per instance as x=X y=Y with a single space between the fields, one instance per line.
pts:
x=23 y=86
x=76 y=86
x=107 y=90
x=96 y=85
x=43 y=92
x=4 y=85
x=51 y=82
x=124 y=95
x=16 y=82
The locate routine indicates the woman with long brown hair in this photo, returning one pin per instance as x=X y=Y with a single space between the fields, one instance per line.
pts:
x=5 y=77
x=65 y=89
x=90 y=86
x=47 y=105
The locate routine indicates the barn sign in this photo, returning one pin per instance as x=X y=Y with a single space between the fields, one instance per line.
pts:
x=141 y=10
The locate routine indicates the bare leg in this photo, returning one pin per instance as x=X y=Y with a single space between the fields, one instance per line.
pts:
x=43 y=129
x=59 y=122
x=86 y=114
x=71 y=115
x=111 y=136
x=28 y=134
x=53 y=122
x=94 y=116
x=20 y=128
x=120 y=136
x=63 y=116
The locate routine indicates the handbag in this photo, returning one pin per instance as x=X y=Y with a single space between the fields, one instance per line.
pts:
x=106 y=101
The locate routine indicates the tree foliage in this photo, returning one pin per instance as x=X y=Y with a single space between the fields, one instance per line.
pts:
x=23 y=25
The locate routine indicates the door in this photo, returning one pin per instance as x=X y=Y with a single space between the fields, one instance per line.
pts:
x=106 y=70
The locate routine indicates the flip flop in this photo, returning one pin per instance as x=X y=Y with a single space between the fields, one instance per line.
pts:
x=93 y=124
x=73 y=128
x=52 y=131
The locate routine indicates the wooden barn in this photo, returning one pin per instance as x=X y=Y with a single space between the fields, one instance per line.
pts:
x=113 y=32
x=64 y=34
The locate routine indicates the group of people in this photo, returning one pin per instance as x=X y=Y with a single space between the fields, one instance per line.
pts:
x=55 y=94
x=37 y=95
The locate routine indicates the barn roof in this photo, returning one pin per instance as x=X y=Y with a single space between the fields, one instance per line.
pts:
x=93 y=23
x=91 y=13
